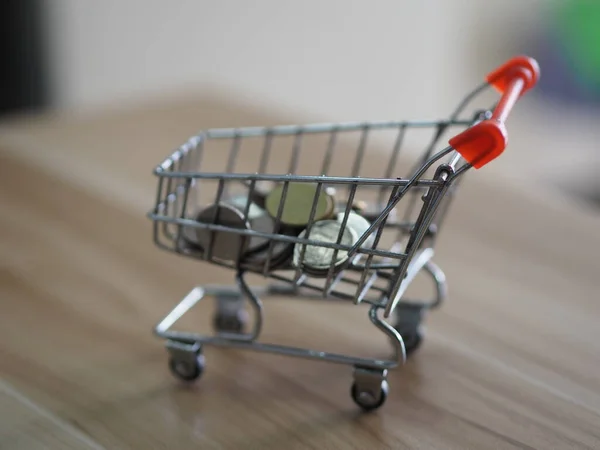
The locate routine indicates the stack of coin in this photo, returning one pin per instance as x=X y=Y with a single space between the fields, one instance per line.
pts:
x=230 y=246
x=258 y=211
x=278 y=253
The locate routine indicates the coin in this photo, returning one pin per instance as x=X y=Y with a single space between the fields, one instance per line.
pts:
x=281 y=254
x=318 y=257
x=299 y=202
x=240 y=202
x=359 y=205
x=359 y=224
x=330 y=190
x=262 y=188
x=265 y=224
x=190 y=238
x=369 y=211
x=259 y=220
x=226 y=245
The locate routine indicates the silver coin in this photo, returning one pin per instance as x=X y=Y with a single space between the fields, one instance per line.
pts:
x=281 y=254
x=262 y=188
x=359 y=224
x=264 y=224
x=259 y=219
x=225 y=245
x=318 y=257
x=240 y=202
x=190 y=238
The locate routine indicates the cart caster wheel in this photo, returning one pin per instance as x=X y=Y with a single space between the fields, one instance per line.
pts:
x=230 y=322
x=189 y=369
x=366 y=399
x=408 y=324
x=412 y=339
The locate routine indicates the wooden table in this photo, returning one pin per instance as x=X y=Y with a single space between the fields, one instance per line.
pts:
x=511 y=361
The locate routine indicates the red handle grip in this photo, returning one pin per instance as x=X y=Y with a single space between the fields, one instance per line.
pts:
x=485 y=141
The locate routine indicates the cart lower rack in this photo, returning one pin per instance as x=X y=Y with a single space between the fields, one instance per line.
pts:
x=320 y=227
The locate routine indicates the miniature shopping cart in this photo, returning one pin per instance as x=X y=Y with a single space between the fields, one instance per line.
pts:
x=346 y=229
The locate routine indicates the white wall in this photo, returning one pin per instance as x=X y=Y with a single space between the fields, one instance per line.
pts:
x=342 y=60
x=327 y=60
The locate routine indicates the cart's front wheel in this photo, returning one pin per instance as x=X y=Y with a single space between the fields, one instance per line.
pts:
x=230 y=321
x=367 y=399
x=188 y=369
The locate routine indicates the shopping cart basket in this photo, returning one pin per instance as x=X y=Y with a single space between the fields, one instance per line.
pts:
x=362 y=235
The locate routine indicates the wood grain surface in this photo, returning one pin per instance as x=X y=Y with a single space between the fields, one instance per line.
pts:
x=511 y=361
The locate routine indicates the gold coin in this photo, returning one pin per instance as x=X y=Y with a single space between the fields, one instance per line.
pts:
x=299 y=202
x=359 y=205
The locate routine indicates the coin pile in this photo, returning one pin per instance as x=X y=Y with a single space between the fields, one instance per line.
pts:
x=264 y=211
x=316 y=260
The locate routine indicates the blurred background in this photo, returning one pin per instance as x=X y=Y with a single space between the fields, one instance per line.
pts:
x=332 y=61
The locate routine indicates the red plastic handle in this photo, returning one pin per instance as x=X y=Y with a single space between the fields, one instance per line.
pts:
x=485 y=141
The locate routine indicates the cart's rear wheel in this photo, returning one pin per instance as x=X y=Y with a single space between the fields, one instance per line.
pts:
x=413 y=338
x=187 y=369
x=367 y=399
x=408 y=323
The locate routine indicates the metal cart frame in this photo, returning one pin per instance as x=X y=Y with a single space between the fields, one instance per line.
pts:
x=483 y=138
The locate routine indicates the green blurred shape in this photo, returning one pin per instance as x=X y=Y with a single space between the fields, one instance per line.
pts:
x=577 y=23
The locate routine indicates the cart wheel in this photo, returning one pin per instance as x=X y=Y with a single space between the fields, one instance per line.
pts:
x=188 y=369
x=408 y=324
x=412 y=339
x=230 y=321
x=366 y=399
